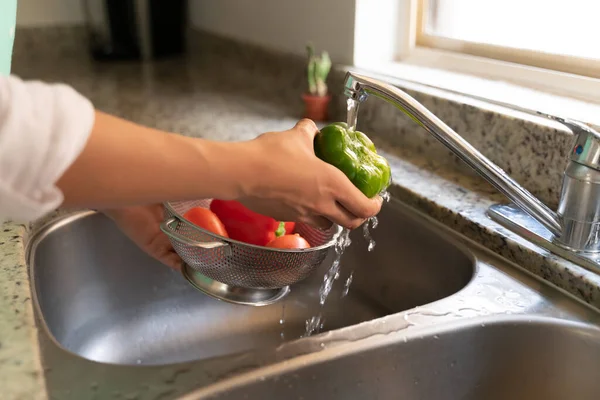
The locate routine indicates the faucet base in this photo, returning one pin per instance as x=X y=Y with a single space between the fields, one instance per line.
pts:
x=517 y=221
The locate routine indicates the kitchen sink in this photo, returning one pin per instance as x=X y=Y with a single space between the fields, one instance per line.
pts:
x=429 y=315
x=509 y=358
x=105 y=300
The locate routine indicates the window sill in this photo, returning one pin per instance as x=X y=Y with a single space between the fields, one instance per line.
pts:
x=513 y=86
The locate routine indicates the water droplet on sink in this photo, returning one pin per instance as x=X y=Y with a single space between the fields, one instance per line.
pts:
x=453 y=364
x=467 y=312
x=436 y=337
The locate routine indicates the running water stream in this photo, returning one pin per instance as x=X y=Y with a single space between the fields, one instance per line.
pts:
x=315 y=323
x=352 y=113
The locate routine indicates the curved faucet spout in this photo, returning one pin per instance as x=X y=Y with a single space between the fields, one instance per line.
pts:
x=358 y=87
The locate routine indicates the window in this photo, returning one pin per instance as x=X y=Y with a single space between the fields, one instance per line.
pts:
x=484 y=47
x=553 y=34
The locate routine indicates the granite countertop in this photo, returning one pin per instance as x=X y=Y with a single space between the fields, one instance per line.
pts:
x=213 y=95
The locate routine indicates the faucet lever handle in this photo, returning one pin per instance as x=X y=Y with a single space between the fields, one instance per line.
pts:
x=586 y=150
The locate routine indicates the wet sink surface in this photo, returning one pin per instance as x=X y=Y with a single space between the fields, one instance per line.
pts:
x=104 y=300
x=429 y=315
x=513 y=358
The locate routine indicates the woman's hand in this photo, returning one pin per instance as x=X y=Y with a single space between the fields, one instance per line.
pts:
x=276 y=174
x=291 y=183
x=142 y=225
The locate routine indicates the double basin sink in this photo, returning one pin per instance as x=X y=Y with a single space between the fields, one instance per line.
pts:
x=429 y=315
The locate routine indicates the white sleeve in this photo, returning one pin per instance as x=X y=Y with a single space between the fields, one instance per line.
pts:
x=43 y=129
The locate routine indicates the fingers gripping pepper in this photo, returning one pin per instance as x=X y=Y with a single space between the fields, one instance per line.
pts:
x=355 y=155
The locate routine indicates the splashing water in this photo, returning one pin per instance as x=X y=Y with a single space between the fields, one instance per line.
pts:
x=315 y=323
x=347 y=284
x=373 y=222
x=343 y=241
x=385 y=195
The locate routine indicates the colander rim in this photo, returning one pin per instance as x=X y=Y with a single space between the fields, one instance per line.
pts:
x=331 y=242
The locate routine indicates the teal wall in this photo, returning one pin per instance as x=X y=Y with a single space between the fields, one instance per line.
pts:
x=8 y=17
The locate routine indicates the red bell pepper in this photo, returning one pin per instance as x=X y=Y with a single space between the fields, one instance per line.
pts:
x=248 y=226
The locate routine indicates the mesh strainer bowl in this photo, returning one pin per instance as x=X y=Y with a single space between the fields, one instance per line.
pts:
x=239 y=272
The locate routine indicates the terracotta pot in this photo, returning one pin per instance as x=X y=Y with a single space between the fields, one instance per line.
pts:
x=316 y=107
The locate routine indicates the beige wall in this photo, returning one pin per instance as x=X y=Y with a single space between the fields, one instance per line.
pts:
x=285 y=25
x=282 y=24
x=49 y=12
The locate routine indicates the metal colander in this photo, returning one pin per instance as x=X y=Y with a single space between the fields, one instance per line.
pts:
x=240 y=264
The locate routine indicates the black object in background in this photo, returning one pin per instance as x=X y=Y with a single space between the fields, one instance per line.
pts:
x=136 y=29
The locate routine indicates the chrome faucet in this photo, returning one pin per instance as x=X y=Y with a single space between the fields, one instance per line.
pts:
x=573 y=231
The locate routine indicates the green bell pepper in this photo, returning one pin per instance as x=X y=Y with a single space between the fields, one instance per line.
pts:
x=355 y=155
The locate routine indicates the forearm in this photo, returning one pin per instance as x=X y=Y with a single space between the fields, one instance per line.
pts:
x=124 y=163
x=56 y=149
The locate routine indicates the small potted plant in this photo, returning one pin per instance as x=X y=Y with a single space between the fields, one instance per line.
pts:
x=317 y=99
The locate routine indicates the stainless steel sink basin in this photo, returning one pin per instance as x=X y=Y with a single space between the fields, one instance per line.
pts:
x=506 y=358
x=106 y=301
x=429 y=315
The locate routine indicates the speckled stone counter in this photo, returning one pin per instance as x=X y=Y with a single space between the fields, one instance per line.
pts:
x=226 y=91
x=20 y=368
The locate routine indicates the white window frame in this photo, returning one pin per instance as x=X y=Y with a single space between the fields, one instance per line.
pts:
x=567 y=64
x=414 y=54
